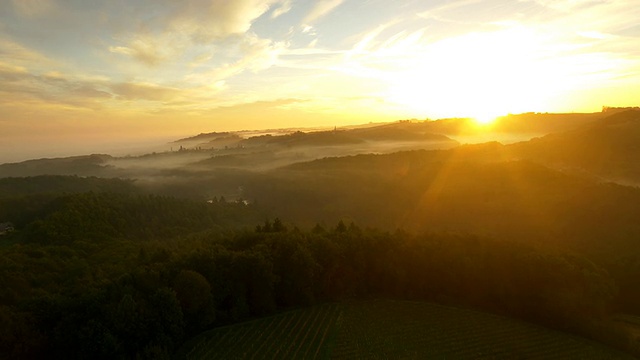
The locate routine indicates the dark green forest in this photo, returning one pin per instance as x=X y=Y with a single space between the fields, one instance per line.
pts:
x=128 y=275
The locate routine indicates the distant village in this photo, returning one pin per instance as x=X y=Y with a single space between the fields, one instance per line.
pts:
x=606 y=109
x=5 y=228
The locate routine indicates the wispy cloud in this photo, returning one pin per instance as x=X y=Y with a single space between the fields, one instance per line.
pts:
x=144 y=91
x=144 y=49
x=284 y=8
x=252 y=54
x=571 y=5
x=207 y=20
x=443 y=12
x=15 y=53
x=23 y=88
x=321 y=9
x=191 y=26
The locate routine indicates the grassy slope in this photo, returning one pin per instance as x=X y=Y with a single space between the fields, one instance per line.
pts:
x=391 y=329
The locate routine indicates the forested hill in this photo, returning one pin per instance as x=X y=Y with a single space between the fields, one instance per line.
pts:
x=608 y=148
x=51 y=184
x=469 y=189
x=111 y=209
x=397 y=131
x=476 y=189
x=119 y=296
x=557 y=187
x=85 y=165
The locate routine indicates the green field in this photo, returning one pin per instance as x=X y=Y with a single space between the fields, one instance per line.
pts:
x=386 y=329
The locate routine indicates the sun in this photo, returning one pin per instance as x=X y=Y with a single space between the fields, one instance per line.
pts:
x=485 y=119
x=478 y=75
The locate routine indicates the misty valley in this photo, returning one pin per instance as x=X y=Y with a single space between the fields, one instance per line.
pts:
x=410 y=239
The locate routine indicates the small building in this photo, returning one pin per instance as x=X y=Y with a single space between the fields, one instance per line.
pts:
x=5 y=228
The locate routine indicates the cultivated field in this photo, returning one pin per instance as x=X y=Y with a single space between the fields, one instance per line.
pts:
x=386 y=329
x=299 y=334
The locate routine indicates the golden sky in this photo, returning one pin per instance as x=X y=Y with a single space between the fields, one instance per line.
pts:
x=98 y=73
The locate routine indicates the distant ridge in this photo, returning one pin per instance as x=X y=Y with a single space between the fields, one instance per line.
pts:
x=93 y=165
x=203 y=137
x=608 y=147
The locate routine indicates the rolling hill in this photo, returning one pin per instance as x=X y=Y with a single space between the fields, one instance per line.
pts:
x=386 y=329
x=607 y=148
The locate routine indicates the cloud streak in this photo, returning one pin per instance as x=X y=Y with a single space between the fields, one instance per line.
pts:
x=321 y=9
x=143 y=49
x=207 y=20
x=284 y=8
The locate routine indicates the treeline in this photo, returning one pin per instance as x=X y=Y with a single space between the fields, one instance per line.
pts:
x=12 y=187
x=96 y=216
x=142 y=299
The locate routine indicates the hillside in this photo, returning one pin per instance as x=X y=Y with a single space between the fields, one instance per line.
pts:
x=85 y=165
x=468 y=189
x=545 y=123
x=607 y=148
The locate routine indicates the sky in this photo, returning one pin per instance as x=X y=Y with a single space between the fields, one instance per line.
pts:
x=82 y=76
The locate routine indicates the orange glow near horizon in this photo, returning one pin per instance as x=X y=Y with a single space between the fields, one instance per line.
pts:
x=485 y=75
